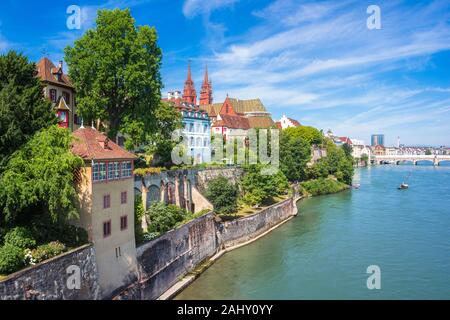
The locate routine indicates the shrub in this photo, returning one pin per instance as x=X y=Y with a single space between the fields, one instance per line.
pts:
x=164 y=217
x=139 y=212
x=322 y=186
x=11 y=259
x=44 y=231
x=46 y=251
x=150 y=236
x=20 y=237
x=260 y=187
x=222 y=194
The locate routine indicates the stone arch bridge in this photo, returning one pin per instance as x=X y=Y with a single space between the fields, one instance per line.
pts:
x=397 y=159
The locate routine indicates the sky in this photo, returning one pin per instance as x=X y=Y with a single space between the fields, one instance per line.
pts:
x=314 y=61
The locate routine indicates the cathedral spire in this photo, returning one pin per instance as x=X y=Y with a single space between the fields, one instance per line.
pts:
x=189 y=93
x=206 y=91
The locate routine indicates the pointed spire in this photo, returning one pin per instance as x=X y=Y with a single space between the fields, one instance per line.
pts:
x=189 y=93
x=206 y=91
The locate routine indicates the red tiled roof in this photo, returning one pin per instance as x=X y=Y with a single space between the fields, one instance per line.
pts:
x=89 y=144
x=235 y=122
x=295 y=122
x=278 y=124
x=345 y=140
x=46 y=71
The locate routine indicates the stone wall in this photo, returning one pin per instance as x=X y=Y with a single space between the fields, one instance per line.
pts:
x=48 y=280
x=203 y=176
x=234 y=232
x=163 y=261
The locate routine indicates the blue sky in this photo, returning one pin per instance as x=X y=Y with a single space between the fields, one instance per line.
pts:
x=315 y=61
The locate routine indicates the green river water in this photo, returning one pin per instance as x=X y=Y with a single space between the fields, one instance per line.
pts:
x=325 y=251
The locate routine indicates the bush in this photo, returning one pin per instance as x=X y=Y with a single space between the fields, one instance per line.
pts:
x=139 y=212
x=222 y=194
x=46 y=251
x=11 y=259
x=164 y=217
x=20 y=237
x=44 y=231
x=322 y=186
x=150 y=236
x=259 y=187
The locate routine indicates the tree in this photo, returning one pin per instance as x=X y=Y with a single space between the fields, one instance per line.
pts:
x=259 y=188
x=115 y=70
x=222 y=194
x=295 y=152
x=428 y=152
x=309 y=134
x=38 y=179
x=348 y=149
x=159 y=142
x=164 y=217
x=23 y=109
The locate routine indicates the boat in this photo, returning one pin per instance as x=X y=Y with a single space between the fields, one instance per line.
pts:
x=403 y=186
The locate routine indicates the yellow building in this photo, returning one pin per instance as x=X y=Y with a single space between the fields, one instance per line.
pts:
x=106 y=193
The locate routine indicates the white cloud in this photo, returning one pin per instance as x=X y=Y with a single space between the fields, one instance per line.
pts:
x=192 y=8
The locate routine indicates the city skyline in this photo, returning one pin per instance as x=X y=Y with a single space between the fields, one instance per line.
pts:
x=316 y=62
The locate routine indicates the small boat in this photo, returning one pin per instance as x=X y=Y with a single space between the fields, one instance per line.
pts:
x=403 y=186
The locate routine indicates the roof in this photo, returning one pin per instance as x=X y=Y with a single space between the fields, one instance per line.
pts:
x=260 y=122
x=91 y=144
x=232 y=122
x=295 y=122
x=47 y=72
x=345 y=140
x=240 y=106
x=278 y=125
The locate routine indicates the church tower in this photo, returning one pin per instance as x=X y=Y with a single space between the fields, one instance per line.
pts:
x=206 y=91
x=189 y=94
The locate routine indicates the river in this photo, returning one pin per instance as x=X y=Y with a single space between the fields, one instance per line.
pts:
x=325 y=251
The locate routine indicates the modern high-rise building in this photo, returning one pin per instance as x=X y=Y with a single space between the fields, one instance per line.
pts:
x=377 y=140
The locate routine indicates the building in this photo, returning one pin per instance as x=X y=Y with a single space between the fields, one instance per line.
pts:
x=230 y=124
x=251 y=109
x=286 y=122
x=105 y=186
x=379 y=150
x=206 y=91
x=60 y=91
x=360 y=150
x=196 y=122
x=377 y=139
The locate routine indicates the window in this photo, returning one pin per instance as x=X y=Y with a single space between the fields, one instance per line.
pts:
x=53 y=95
x=123 y=197
x=126 y=169
x=66 y=97
x=106 y=229
x=205 y=142
x=106 y=201
x=102 y=171
x=123 y=222
x=113 y=170
x=205 y=128
x=191 y=127
x=191 y=142
x=99 y=171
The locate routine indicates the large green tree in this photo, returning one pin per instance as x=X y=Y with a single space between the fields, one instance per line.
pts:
x=39 y=179
x=223 y=194
x=23 y=109
x=115 y=70
x=295 y=152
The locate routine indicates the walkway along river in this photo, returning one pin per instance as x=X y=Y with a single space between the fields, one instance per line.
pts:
x=325 y=251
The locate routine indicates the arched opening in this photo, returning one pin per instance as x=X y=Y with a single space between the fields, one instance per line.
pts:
x=405 y=162
x=424 y=163
x=444 y=163
x=170 y=193
x=153 y=195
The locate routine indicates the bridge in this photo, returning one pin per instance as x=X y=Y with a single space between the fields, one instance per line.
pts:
x=397 y=159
